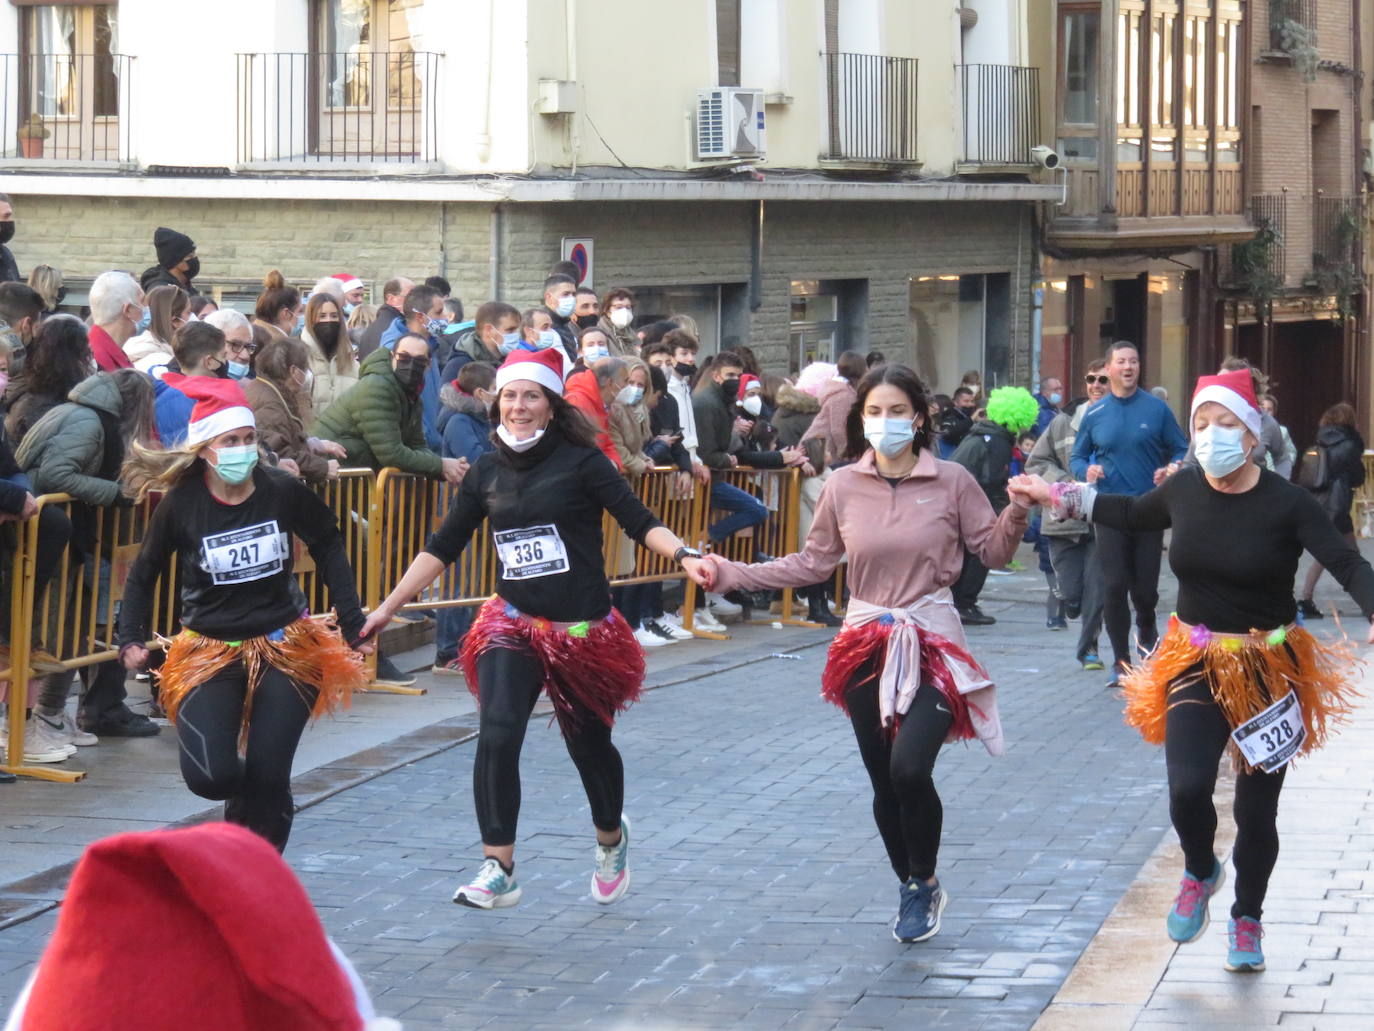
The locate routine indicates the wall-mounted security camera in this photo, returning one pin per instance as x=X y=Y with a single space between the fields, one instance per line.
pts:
x=1044 y=157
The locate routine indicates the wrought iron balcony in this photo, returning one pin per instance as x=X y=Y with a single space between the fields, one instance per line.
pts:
x=66 y=107
x=871 y=107
x=1001 y=113
x=1258 y=267
x=1292 y=25
x=1336 y=224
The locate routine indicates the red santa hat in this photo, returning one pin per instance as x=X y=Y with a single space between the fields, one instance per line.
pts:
x=203 y=928
x=543 y=367
x=349 y=280
x=220 y=405
x=1234 y=391
x=745 y=382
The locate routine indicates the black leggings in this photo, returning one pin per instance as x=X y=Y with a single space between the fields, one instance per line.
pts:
x=906 y=805
x=1194 y=739
x=1128 y=563
x=508 y=685
x=255 y=789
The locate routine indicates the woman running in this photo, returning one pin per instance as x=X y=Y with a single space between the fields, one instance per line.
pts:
x=249 y=669
x=1233 y=672
x=900 y=667
x=551 y=625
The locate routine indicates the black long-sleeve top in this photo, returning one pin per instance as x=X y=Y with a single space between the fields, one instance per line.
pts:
x=1235 y=555
x=545 y=508
x=234 y=561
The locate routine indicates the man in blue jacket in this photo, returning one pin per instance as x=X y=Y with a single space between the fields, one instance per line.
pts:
x=1123 y=441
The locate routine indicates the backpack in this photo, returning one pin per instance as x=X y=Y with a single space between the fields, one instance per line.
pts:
x=1315 y=471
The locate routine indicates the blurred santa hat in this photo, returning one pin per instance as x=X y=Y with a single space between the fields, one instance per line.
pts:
x=203 y=928
x=815 y=376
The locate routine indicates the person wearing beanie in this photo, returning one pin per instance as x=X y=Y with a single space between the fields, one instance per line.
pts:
x=203 y=927
x=249 y=669
x=550 y=626
x=986 y=452
x=177 y=262
x=1234 y=671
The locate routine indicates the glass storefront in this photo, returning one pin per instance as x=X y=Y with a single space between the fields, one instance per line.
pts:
x=960 y=323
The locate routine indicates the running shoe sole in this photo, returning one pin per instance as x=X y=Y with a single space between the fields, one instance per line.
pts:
x=944 y=901
x=1206 y=910
x=476 y=901
x=1245 y=968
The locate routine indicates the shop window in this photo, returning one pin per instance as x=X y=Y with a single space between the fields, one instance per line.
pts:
x=958 y=323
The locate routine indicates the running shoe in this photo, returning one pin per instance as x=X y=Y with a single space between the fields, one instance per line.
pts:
x=1119 y=670
x=1091 y=661
x=649 y=639
x=64 y=728
x=611 y=878
x=492 y=888
x=1244 y=954
x=918 y=917
x=668 y=630
x=38 y=746
x=721 y=606
x=1188 y=919
x=704 y=620
x=1057 y=623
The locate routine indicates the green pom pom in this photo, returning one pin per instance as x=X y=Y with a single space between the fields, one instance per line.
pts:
x=1013 y=407
x=578 y=630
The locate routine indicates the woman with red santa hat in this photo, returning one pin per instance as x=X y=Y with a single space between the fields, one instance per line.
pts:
x=550 y=626
x=249 y=668
x=1234 y=672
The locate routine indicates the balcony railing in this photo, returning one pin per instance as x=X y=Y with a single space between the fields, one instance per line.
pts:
x=338 y=107
x=871 y=108
x=66 y=107
x=1001 y=113
x=1292 y=25
x=1259 y=266
x=1336 y=223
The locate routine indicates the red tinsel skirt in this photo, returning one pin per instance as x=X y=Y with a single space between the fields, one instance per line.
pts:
x=854 y=646
x=590 y=667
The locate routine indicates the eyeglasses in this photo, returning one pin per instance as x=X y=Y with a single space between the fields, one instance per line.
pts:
x=248 y=349
x=1101 y=381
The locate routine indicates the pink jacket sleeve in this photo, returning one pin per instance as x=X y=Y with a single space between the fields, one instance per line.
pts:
x=816 y=561
x=991 y=537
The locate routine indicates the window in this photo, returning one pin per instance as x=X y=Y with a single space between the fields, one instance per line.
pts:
x=1130 y=114
x=960 y=323
x=727 y=42
x=367 y=47
x=1078 y=74
x=71 y=81
x=1229 y=49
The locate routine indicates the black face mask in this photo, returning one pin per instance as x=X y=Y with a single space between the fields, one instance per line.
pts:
x=685 y=369
x=730 y=388
x=326 y=334
x=192 y=268
x=585 y=321
x=6 y=232
x=411 y=373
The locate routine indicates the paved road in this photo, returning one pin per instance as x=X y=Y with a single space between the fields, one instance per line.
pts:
x=761 y=894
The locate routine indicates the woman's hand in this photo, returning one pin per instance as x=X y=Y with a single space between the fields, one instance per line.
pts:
x=333 y=472
x=328 y=448
x=1028 y=490
x=377 y=620
x=701 y=571
x=1164 y=473
x=682 y=485
x=135 y=657
x=288 y=465
x=365 y=646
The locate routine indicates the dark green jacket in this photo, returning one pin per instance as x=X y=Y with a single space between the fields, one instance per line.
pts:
x=63 y=452
x=379 y=422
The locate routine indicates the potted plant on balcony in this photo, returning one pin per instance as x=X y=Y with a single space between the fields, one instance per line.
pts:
x=31 y=136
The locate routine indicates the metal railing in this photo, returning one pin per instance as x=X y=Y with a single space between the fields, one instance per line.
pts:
x=1292 y=24
x=1259 y=266
x=1001 y=113
x=1336 y=232
x=871 y=106
x=66 y=107
x=338 y=107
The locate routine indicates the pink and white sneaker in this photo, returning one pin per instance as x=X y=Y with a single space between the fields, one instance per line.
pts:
x=492 y=888
x=611 y=878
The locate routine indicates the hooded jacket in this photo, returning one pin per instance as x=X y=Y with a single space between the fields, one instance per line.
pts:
x=281 y=430
x=378 y=422
x=986 y=453
x=830 y=424
x=795 y=413
x=429 y=393
x=584 y=393
x=66 y=451
x=330 y=383
x=463 y=424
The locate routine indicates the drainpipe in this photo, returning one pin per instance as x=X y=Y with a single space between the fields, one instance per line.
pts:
x=484 y=137
x=756 y=262
x=574 y=136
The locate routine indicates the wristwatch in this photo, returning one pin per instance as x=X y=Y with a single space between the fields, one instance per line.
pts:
x=685 y=552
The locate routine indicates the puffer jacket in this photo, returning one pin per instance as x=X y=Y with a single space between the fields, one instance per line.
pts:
x=583 y=393
x=282 y=431
x=836 y=398
x=1345 y=471
x=66 y=451
x=793 y=417
x=629 y=433
x=986 y=453
x=146 y=352
x=330 y=383
x=463 y=424
x=1050 y=460
x=378 y=422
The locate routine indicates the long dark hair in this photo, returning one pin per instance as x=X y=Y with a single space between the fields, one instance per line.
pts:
x=575 y=427
x=60 y=359
x=905 y=380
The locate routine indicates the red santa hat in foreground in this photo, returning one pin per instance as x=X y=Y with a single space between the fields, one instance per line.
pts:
x=203 y=928
x=1234 y=391
x=220 y=405
x=543 y=367
x=349 y=280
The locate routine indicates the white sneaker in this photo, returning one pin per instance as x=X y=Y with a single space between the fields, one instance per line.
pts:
x=611 y=875
x=671 y=619
x=719 y=606
x=490 y=889
x=648 y=639
x=705 y=621
x=64 y=729
x=41 y=745
x=667 y=631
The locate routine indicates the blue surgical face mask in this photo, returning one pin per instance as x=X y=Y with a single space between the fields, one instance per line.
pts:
x=593 y=353
x=630 y=394
x=300 y=324
x=238 y=370
x=1056 y=398
x=235 y=464
x=509 y=342
x=1219 y=449
x=890 y=437
x=566 y=306
x=548 y=338
x=436 y=327
x=349 y=307
x=145 y=321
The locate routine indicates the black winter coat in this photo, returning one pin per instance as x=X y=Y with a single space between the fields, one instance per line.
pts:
x=986 y=453
x=1345 y=471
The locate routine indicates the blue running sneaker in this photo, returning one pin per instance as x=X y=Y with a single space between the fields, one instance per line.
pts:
x=1188 y=918
x=919 y=915
x=1091 y=661
x=1245 y=954
x=492 y=888
x=611 y=878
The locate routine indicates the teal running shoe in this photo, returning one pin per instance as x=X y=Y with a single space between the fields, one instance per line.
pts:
x=1188 y=918
x=1245 y=954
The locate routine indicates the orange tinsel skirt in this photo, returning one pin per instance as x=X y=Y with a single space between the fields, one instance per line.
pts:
x=1245 y=673
x=311 y=652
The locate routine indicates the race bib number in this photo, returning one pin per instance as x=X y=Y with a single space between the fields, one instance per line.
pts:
x=1271 y=738
x=250 y=553
x=531 y=552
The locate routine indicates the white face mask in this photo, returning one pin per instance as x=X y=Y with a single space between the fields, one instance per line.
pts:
x=889 y=436
x=548 y=338
x=753 y=404
x=622 y=317
x=630 y=394
x=566 y=305
x=1220 y=450
x=593 y=353
x=308 y=380
x=518 y=446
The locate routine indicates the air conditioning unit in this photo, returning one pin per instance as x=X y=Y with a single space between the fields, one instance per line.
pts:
x=730 y=123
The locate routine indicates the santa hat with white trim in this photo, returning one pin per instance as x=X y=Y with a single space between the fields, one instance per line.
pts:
x=1234 y=391
x=204 y=927
x=543 y=367
x=349 y=280
x=220 y=405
